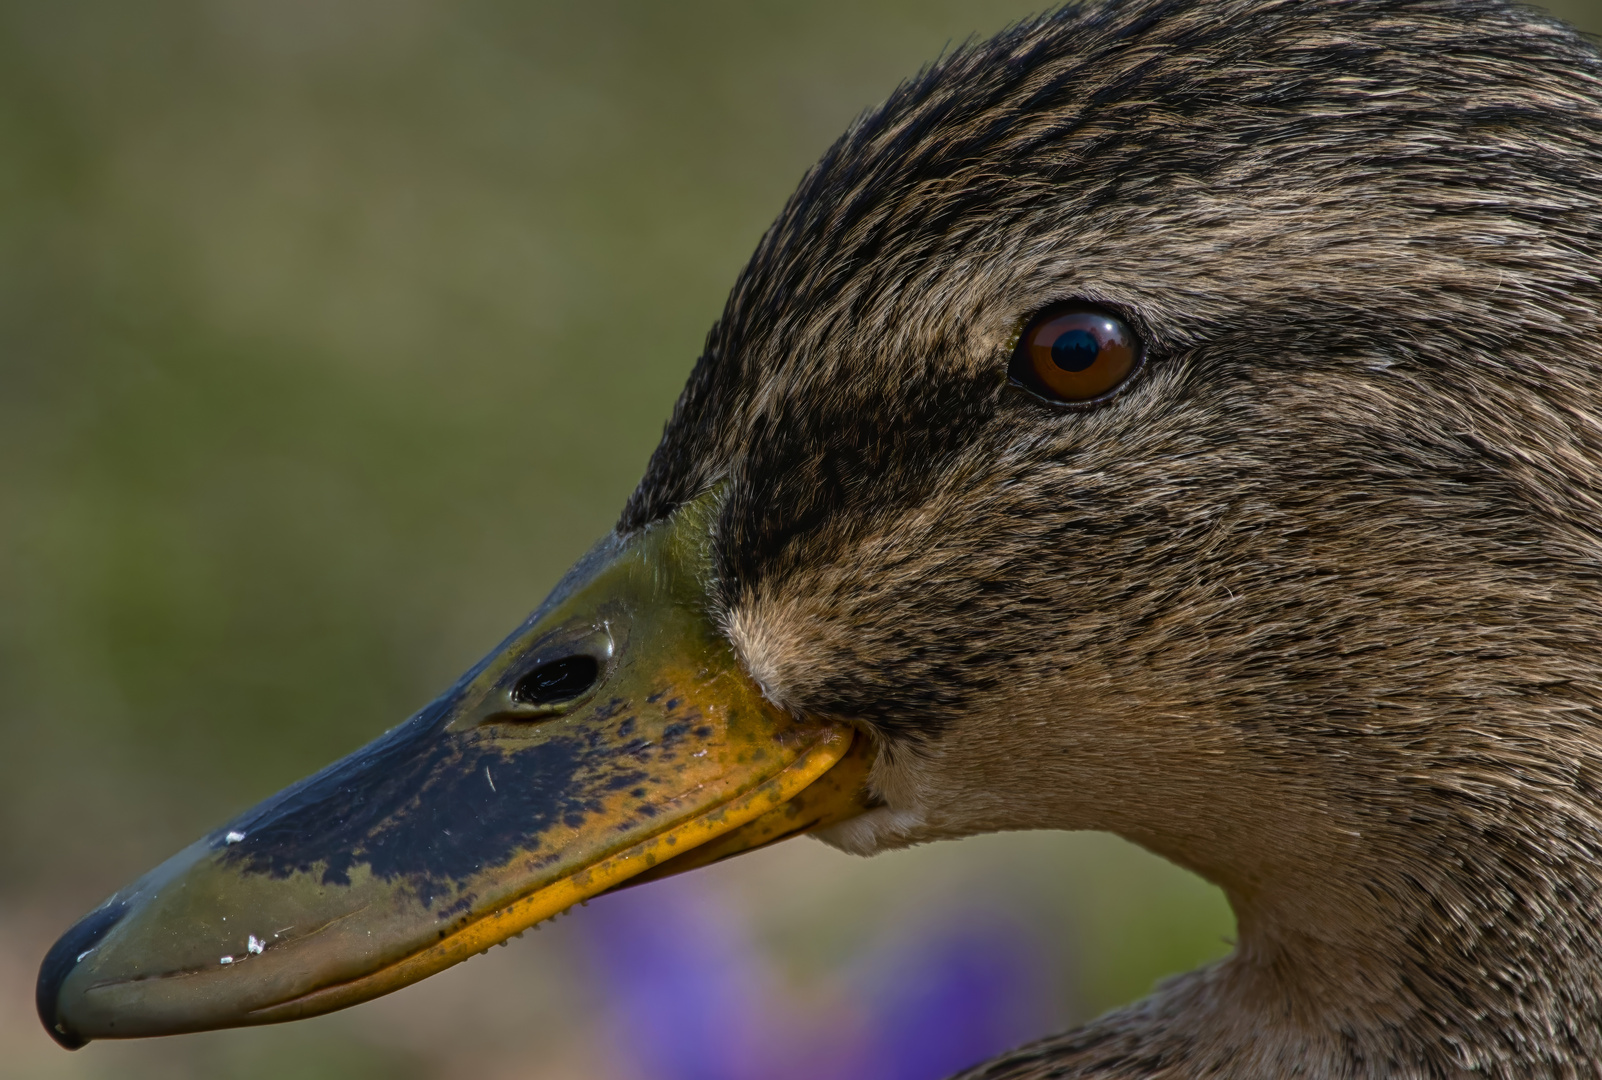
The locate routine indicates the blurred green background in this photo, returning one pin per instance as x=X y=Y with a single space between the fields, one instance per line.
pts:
x=331 y=331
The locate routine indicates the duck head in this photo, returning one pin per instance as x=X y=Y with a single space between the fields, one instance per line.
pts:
x=1178 y=419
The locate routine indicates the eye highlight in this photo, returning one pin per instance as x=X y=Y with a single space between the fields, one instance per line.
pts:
x=1075 y=353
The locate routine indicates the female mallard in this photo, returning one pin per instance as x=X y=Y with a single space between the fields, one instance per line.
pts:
x=1181 y=418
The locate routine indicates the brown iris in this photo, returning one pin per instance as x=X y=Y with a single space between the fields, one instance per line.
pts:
x=1075 y=353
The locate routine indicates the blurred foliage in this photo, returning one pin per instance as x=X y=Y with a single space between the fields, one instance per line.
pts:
x=331 y=331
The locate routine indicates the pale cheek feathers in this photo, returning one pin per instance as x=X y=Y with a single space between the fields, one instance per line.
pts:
x=983 y=777
x=770 y=656
x=923 y=801
x=780 y=648
x=928 y=794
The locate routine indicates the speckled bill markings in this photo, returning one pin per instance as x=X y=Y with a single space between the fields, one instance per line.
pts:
x=612 y=735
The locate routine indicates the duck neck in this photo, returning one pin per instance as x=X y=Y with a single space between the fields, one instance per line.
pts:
x=1455 y=931
x=1451 y=931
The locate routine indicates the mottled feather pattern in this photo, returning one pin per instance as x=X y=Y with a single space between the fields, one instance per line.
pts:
x=1313 y=607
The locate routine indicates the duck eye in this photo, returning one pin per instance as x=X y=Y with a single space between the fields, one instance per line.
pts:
x=1075 y=353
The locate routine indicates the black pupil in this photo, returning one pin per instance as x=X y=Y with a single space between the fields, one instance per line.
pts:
x=1075 y=350
x=557 y=681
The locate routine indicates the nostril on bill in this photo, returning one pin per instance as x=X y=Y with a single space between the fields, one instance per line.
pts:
x=557 y=681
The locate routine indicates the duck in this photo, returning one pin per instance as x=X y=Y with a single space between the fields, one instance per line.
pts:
x=1177 y=418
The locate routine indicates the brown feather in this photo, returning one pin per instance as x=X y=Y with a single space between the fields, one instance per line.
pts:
x=1314 y=608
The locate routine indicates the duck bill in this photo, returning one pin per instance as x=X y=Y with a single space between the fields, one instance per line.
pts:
x=613 y=736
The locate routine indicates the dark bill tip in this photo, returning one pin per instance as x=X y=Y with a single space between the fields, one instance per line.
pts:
x=58 y=963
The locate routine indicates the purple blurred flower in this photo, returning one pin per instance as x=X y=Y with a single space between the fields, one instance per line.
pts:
x=952 y=997
x=689 y=998
x=680 y=987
